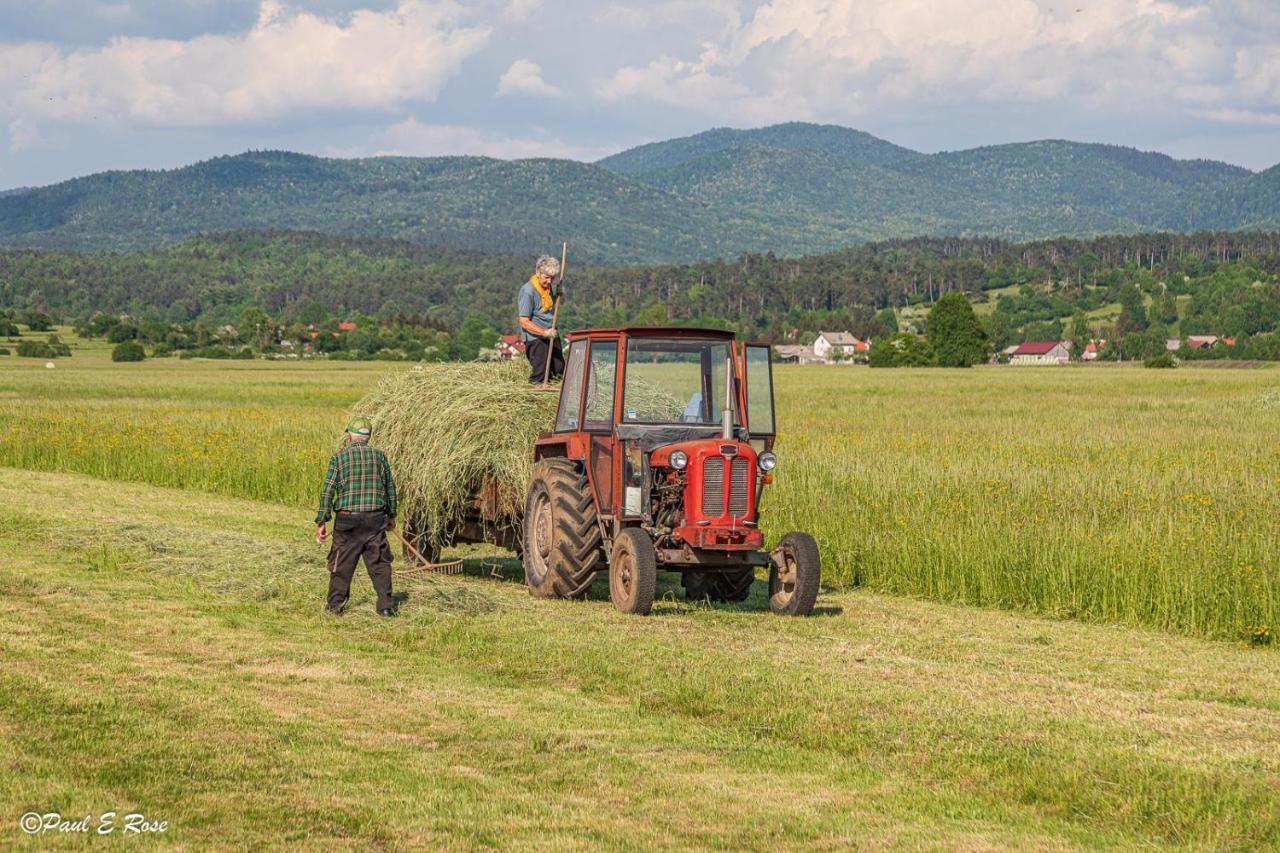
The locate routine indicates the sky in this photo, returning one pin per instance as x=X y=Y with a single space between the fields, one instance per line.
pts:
x=89 y=85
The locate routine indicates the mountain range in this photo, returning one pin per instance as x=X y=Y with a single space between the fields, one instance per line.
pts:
x=791 y=189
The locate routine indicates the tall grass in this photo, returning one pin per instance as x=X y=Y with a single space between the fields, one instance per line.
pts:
x=1102 y=493
x=256 y=430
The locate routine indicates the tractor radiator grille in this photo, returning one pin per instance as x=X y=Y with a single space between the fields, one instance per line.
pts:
x=739 y=485
x=713 y=487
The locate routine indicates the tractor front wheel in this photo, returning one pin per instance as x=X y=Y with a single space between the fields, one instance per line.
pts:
x=795 y=575
x=561 y=536
x=633 y=572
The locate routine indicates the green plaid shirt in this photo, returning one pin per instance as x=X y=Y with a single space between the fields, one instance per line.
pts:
x=359 y=480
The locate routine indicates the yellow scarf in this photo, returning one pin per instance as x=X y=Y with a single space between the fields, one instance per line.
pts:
x=544 y=292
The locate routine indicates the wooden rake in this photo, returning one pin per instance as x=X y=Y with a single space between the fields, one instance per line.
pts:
x=450 y=567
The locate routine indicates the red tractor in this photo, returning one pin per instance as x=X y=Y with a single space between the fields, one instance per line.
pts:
x=660 y=454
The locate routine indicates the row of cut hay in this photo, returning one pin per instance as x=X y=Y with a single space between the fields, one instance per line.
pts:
x=449 y=428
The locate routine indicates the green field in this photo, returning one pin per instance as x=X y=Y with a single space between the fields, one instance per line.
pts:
x=165 y=651
x=1101 y=493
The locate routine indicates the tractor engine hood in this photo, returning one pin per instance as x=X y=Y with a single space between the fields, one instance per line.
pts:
x=720 y=493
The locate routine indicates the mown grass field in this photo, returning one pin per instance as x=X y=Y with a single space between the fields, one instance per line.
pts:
x=1109 y=494
x=164 y=652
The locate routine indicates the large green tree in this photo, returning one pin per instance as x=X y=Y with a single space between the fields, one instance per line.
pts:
x=953 y=330
x=255 y=326
x=1080 y=335
x=474 y=335
x=902 y=350
x=1133 y=312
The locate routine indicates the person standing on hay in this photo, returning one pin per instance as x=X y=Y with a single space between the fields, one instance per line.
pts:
x=358 y=487
x=536 y=309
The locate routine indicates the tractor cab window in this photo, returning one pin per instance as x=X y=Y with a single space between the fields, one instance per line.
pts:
x=759 y=391
x=571 y=388
x=602 y=369
x=675 y=381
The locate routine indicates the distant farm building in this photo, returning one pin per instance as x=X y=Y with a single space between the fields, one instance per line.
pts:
x=1040 y=352
x=510 y=347
x=833 y=346
x=346 y=326
x=795 y=354
x=1092 y=349
x=1202 y=341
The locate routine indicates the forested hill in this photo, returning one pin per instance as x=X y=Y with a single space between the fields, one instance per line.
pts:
x=791 y=189
x=841 y=142
x=1217 y=283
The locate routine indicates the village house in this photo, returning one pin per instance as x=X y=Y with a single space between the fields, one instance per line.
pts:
x=1040 y=352
x=1197 y=342
x=510 y=347
x=1092 y=350
x=796 y=354
x=837 y=346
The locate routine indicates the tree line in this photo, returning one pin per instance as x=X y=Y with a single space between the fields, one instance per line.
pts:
x=1220 y=283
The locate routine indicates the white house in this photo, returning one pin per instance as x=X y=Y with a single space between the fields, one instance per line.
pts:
x=836 y=345
x=1040 y=352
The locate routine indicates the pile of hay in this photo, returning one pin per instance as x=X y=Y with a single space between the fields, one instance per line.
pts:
x=449 y=428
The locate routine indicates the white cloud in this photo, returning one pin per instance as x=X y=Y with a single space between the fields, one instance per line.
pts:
x=841 y=59
x=289 y=61
x=23 y=135
x=702 y=86
x=518 y=11
x=525 y=78
x=413 y=138
x=1248 y=117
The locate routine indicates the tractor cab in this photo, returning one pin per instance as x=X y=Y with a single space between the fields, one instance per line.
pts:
x=660 y=455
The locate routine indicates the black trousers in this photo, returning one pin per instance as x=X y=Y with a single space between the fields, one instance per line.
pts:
x=356 y=535
x=536 y=351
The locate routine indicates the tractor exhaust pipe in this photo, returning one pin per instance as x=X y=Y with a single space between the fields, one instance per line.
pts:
x=726 y=423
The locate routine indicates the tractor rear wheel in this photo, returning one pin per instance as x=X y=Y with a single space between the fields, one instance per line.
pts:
x=633 y=572
x=730 y=586
x=795 y=576
x=561 y=536
x=695 y=585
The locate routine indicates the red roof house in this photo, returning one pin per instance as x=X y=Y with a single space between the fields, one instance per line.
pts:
x=510 y=347
x=347 y=326
x=1040 y=352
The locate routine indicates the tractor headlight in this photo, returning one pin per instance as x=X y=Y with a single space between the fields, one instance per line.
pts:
x=678 y=459
x=767 y=461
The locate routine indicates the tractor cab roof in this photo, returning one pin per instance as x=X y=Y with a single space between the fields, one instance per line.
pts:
x=653 y=332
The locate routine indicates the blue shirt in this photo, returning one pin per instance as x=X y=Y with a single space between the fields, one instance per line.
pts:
x=529 y=304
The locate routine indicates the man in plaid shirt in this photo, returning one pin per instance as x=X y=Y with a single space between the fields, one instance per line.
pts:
x=361 y=492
